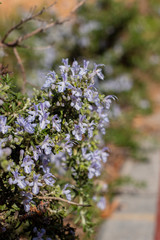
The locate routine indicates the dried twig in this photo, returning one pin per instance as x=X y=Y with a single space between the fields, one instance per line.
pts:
x=23 y=21
x=63 y=200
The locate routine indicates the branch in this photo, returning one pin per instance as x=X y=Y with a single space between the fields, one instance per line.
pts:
x=63 y=200
x=32 y=17
x=44 y=28
x=31 y=34
x=19 y=60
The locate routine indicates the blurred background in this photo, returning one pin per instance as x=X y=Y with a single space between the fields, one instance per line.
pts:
x=124 y=36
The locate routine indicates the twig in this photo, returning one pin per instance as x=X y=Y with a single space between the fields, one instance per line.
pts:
x=19 y=60
x=40 y=29
x=78 y=6
x=32 y=17
x=63 y=200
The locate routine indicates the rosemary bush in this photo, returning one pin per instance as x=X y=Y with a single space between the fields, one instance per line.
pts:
x=50 y=154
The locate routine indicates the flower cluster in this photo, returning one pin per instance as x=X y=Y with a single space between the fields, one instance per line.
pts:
x=54 y=134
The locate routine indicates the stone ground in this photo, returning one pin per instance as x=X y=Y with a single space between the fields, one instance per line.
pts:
x=136 y=219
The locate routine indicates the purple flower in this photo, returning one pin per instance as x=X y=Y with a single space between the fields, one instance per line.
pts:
x=75 y=69
x=104 y=155
x=101 y=203
x=77 y=132
x=65 y=67
x=87 y=156
x=92 y=96
x=90 y=129
x=36 y=152
x=98 y=71
x=39 y=233
x=94 y=169
x=27 y=163
x=84 y=70
x=48 y=178
x=79 y=129
x=77 y=92
x=28 y=127
x=68 y=147
x=64 y=83
x=43 y=120
x=45 y=162
x=89 y=94
x=43 y=115
x=50 y=80
x=19 y=180
x=47 y=145
x=104 y=117
x=67 y=192
x=108 y=100
x=3 y=127
x=76 y=102
x=85 y=64
x=43 y=106
x=33 y=114
x=27 y=200
x=35 y=184
x=56 y=123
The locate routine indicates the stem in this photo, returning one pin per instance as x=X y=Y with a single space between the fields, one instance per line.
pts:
x=63 y=200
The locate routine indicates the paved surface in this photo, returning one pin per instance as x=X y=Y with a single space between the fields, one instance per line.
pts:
x=136 y=219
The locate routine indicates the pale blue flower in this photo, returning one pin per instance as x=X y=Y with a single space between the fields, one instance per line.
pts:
x=94 y=169
x=56 y=123
x=3 y=127
x=90 y=129
x=98 y=71
x=36 y=152
x=68 y=147
x=44 y=120
x=27 y=200
x=47 y=145
x=48 y=178
x=43 y=114
x=45 y=162
x=77 y=132
x=32 y=113
x=108 y=100
x=76 y=103
x=104 y=154
x=80 y=129
x=35 y=184
x=67 y=192
x=84 y=70
x=50 y=80
x=64 y=84
x=27 y=164
x=65 y=67
x=18 y=179
x=75 y=69
x=39 y=233
x=28 y=127
x=77 y=92
x=102 y=203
